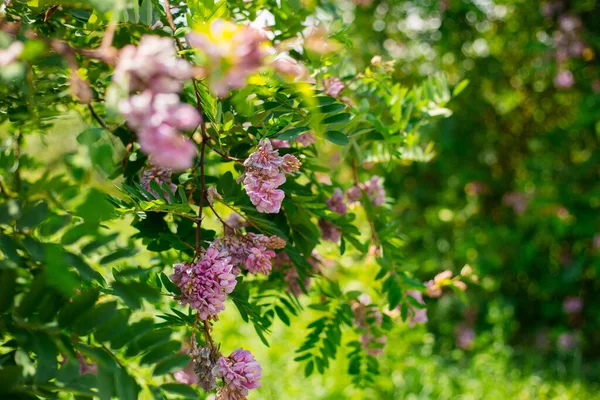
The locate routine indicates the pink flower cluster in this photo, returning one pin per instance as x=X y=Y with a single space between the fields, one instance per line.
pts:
x=368 y=319
x=329 y=231
x=11 y=54
x=333 y=86
x=336 y=202
x=416 y=315
x=240 y=373
x=373 y=188
x=305 y=139
x=254 y=252
x=159 y=175
x=205 y=283
x=157 y=114
x=265 y=172
x=295 y=285
x=232 y=53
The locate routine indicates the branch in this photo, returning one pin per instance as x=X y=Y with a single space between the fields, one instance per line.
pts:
x=97 y=117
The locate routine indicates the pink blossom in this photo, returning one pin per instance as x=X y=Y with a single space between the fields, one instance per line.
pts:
x=212 y=195
x=280 y=144
x=465 y=336
x=374 y=189
x=572 y=305
x=157 y=114
x=152 y=64
x=306 y=139
x=167 y=148
x=365 y=313
x=204 y=284
x=290 y=164
x=240 y=372
x=264 y=173
x=564 y=80
x=254 y=252
x=336 y=202
x=232 y=53
x=11 y=54
x=373 y=345
x=85 y=367
x=289 y=67
x=567 y=341
x=161 y=176
x=333 y=86
x=329 y=231
x=518 y=201
x=596 y=241
x=416 y=315
x=259 y=261
x=354 y=194
x=295 y=284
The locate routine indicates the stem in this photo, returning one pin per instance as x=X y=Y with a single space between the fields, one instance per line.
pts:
x=18 y=156
x=223 y=155
x=172 y=23
x=97 y=117
x=225 y=224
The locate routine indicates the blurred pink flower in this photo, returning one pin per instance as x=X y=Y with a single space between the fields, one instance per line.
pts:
x=11 y=54
x=564 y=80
x=336 y=202
x=572 y=305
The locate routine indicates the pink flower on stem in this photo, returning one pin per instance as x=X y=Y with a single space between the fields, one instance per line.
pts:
x=157 y=114
x=572 y=305
x=306 y=139
x=564 y=80
x=374 y=189
x=264 y=173
x=329 y=231
x=336 y=202
x=416 y=315
x=240 y=373
x=205 y=283
x=159 y=175
x=11 y=54
x=333 y=86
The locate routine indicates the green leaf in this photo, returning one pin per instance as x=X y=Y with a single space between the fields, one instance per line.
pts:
x=161 y=352
x=10 y=378
x=90 y=136
x=47 y=361
x=282 y=315
x=78 y=305
x=308 y=370
x=179 y=388
x=171 y=364
x=337 y=137
x=147 y=341
x=126 y=387
x=105 y=382
x=293 y=133
x=113 y=327
x=32 y=216
x=31 y=300
x=94 y=317
x=8 y=289
x=338 y=119
x=460 y=87
x=146 y=12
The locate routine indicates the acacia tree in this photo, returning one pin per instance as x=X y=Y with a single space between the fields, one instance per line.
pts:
x=195 y=114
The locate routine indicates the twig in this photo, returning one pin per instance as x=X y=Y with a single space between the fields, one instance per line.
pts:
x=18 y=156
x=225 y=224
x=97 y=117
x=223 y=155
x=172 y=23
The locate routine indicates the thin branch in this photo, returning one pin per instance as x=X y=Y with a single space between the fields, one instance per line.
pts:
x=223 y=155
x=225 y=224
x=97 y=117
x=172 y=23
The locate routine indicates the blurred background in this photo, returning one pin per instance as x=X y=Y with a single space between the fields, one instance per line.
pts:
x=514 y=191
